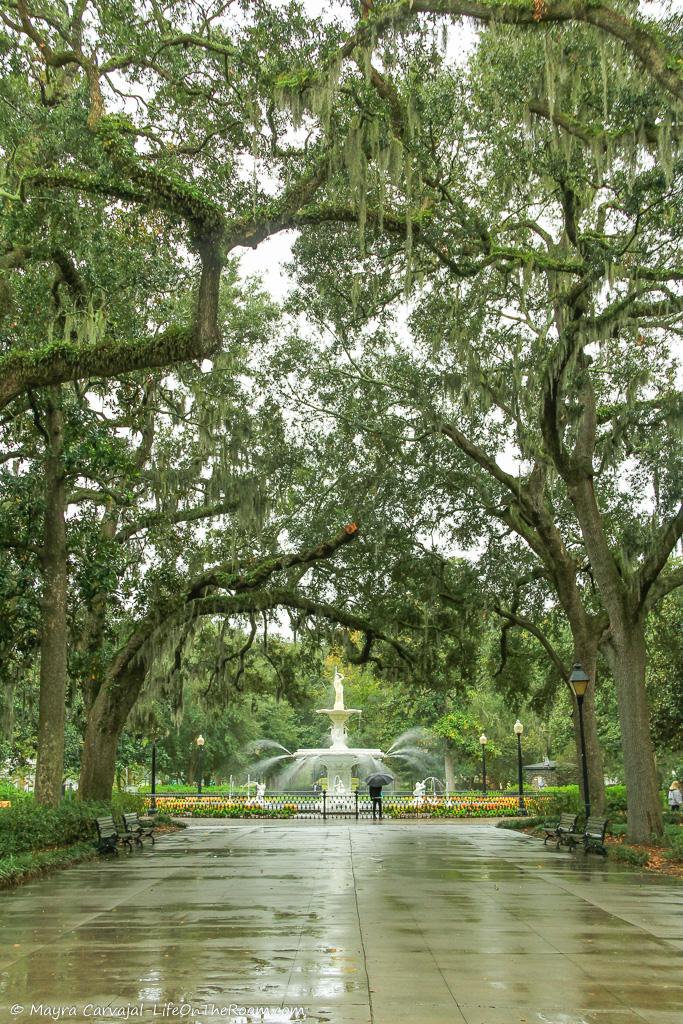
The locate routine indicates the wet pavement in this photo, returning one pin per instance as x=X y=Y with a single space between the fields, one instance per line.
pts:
x=346 y=922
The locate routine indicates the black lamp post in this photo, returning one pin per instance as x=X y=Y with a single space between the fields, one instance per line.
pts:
x=483 y=740
x=200 y=766
x=578 y=680
x=153 y=801
x=519 y=729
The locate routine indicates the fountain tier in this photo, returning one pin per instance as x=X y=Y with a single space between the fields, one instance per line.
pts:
x=339 y=758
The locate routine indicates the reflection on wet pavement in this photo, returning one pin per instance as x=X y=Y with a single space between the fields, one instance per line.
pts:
x=345 y=922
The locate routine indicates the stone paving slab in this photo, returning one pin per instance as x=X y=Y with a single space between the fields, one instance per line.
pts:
x=351 y=923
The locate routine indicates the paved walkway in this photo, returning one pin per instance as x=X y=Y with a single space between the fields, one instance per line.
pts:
x=352 y=922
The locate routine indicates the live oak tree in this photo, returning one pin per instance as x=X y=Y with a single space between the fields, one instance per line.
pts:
x=203 y=89
x=160 y=118
x=153 y=644
x=573 y=220
x=528 y=203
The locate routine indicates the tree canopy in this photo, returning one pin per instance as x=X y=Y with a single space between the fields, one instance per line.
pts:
x=475 y=373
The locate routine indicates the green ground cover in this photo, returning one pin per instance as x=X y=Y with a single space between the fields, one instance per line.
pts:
x=36 y=839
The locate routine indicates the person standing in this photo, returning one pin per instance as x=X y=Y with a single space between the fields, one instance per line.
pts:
x=376 y=797
x=675 y=796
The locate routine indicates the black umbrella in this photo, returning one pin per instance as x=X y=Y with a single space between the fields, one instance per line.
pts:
x=379 y=779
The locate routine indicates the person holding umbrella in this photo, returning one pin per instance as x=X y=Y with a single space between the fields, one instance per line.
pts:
x=375 y=783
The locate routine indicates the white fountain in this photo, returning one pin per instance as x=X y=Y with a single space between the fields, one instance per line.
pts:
x=339 y=758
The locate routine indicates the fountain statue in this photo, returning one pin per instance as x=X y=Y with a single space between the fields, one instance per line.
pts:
x=419 y=794
x=339 y=758
x=340 y=762
x=338 y=690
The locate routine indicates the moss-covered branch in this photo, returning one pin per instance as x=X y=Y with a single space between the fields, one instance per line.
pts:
x=649 y=47
x=249 y=577
x=275 y=598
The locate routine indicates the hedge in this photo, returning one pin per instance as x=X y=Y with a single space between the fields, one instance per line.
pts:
x=20 y=867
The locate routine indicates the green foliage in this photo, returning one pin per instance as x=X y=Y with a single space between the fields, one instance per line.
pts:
x=18 y=868
x=126 y=803
x=616 y=800
x=556 y=800
x=629 y=855
x=673 y=843
x=10 y=792
x=27 y=826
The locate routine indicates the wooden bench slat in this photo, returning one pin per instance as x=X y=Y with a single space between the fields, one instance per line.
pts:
x=108 y=835
x=593 y=836
x=566 y=826
x=136 y=829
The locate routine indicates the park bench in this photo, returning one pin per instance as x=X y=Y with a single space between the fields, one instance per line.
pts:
x=566 y=826
x=593 y=837
x=137 y=829
x=108 y=836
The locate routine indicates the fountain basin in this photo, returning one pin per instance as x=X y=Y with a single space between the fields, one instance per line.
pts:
x=340 y=764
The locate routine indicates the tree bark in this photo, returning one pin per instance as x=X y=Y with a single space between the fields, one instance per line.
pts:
x=626 y=653
x=53 y=641
x=449 y=771
x=106 y=720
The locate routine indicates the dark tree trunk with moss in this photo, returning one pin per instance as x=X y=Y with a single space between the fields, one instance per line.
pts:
x=626 y=653
x=53 y=641
x=105 y=724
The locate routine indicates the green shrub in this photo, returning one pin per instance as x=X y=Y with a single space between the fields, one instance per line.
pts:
x=629 y=855
x=186 y=789
x=19 y=867
x=8 y=791
x=162 y=818
x=553 y=801
x=615 y=798
x=27 y=826
x=126 y=803
x=673 y=843
x=617 y=830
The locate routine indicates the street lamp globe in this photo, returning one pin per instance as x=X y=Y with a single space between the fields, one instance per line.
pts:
x=518 y=727
x=578 y=680
x=200 y=741
x=483 y=740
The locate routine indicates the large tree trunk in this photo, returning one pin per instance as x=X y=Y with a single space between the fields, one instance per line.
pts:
x=99 y=762
x=53 y=641
x=626 y=653
x=105 y=724
x=449 y=771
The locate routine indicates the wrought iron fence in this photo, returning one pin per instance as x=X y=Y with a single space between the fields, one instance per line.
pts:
x=353 y=805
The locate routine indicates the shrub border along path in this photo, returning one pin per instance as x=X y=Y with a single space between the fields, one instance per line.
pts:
x=16 y=869
x=644 y=857
x=36 y=841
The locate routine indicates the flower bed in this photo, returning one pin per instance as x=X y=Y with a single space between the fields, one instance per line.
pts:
x=217 y=807
x=240 y=811
x=284 y=806
x=455 y=807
